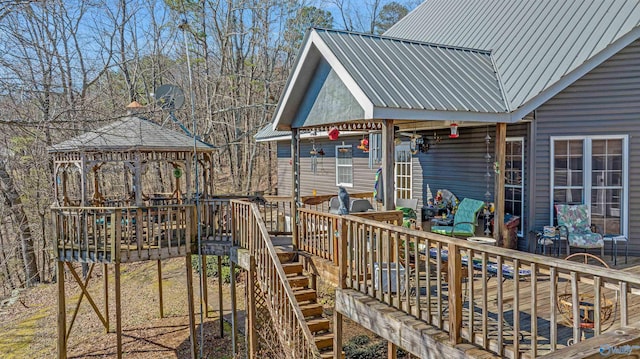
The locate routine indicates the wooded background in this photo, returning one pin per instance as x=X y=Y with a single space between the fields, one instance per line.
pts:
x=71 y=66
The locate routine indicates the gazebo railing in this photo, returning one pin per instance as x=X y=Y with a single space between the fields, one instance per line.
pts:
x=108 y=234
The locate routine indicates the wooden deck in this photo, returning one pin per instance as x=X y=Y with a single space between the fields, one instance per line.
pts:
x=534 y=306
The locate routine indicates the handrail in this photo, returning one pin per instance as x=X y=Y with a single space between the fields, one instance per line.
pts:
x=317 y=231
x=285 y=312
x=400 y=267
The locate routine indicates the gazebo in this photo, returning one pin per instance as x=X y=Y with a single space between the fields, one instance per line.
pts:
x=126 y=192
x=134 y=145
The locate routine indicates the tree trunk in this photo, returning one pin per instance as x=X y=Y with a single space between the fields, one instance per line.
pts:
x=13 y=201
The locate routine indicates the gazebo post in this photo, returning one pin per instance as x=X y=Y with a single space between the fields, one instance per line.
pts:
x=83 y=180
x=187 y=170
x=137 y=179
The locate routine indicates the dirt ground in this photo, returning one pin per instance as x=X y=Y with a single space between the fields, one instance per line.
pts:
x=28 y=322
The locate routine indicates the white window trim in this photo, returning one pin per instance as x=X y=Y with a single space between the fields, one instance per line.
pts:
x=521 y=139
x=348 y=185
x=407 y=148
x=586 y=172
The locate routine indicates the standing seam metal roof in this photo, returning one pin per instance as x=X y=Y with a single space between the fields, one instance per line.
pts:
x=534 y=43
x=130 y=133
x=397 y=73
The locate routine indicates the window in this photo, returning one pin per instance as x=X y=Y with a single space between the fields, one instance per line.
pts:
x=593 y=171
x=375 y=149
x=403 y=172
x=514 y=174
x=344 y=166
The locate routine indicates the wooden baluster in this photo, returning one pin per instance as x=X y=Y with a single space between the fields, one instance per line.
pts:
x=455 y=294
x=516 y=307
x=553 y=298
x=470 y=291
x=534 y=310
x=485 y=302
x=597 y=282
x=500 y=299
x=575 y=301
x=624 y=318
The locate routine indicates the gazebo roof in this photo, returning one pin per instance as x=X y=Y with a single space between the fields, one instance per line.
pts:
x=130 y=134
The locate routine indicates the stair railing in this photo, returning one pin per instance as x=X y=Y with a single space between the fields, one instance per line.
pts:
x=250 y=232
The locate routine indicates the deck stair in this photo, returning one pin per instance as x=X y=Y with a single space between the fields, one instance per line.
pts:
x=307 y=299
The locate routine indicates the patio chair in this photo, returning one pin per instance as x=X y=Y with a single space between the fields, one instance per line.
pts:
x=465 y=220
x=409 y=208
x=575 y=226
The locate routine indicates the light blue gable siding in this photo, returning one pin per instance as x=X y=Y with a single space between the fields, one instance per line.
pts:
x=327 y=100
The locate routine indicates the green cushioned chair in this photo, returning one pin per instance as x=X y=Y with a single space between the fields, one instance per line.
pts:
x=465 y=220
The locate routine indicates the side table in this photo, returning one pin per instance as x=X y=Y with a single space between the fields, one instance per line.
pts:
x=549 y=236
x=614 y=239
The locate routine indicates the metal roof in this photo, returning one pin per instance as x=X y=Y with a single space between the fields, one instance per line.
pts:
x=535 y=44
x=128 y=134
x=267 y=133
x=403 y=74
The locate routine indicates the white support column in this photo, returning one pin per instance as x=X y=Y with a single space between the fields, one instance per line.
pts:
x=388 y=164
x=295 y=187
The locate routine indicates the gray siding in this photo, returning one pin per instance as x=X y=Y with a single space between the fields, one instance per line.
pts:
x=603 y=102
x=324 y=180
x=459 y=165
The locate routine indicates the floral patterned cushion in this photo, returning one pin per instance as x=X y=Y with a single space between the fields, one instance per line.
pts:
x=576 y=219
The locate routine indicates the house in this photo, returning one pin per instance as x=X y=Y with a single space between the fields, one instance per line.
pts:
x=563 y=79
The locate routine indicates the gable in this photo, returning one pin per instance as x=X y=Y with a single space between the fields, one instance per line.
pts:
x=326 y=100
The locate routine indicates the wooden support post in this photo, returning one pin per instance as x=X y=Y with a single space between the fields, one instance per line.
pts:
x=251 y=304
x=342 y=283
x=116 y=276
x=192 y=320
x=388 y=164
x=234 y=307
x=62 y=313
x=220 y=307
x=160 y=296
x=455 y=294
x=295 y=187
x=106 y=294
x=392 y=351
x=501 y=149
x=205 y=290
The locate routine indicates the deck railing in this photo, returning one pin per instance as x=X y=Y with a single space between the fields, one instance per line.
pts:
x=107 y=234
x=318 y=231
x=510 y=302
x=251 y=233
x=216 y=215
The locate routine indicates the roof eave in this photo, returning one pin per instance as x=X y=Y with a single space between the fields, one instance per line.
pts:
x=434 y=115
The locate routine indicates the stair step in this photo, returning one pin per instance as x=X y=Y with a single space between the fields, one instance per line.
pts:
x=311 y=310
x=329 y=355
x=318 y=325
x=324 y=341
x=298 y=281
x=292 y=268
x=305 y=295
x=285 y=257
